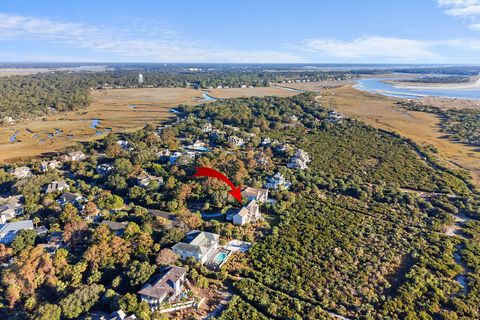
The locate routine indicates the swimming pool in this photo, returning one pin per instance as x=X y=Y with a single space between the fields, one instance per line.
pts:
x=221 y=257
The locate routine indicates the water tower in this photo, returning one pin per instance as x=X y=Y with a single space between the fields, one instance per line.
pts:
x=140 y=78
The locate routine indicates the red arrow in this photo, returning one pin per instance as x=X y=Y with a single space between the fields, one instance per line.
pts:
x=209 y=172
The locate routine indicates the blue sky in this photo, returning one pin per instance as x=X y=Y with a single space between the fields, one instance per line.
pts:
x=302 y=31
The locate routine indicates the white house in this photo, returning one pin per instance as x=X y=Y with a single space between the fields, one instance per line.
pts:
x=164 y=288
x=50 y=165
x=75 y=156
x=249 y=214
x=198 y=245
x=9 y=231
x=9 y=211
x=277 y=182
x=299 y=161
x=259 y=195
x=21 y=172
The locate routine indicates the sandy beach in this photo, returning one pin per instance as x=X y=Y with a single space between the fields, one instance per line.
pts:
x=474 y=84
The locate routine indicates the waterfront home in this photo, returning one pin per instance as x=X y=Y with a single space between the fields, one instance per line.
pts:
x=75 y=156
x=8 y=231
x=50 y=165
x=198 y=245
x=104 y=169
x=259 y=195
x=167 y=287
x=21 y=172
x=277 y=182
x=248 y=214
x=57 y=186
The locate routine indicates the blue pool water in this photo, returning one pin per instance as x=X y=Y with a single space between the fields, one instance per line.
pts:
x=375 y=85
x=220 y=257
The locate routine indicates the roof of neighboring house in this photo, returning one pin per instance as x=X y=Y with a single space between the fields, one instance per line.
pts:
x=15 y=226
x=163 y=285
x=56 y=185
x=197 y=241
x=253 y=192
x=6 y=207
x=69 y=197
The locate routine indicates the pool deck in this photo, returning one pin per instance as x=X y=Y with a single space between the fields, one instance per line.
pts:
x=212 y=264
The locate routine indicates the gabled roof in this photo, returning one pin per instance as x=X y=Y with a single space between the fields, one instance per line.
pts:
x=15 y=226
x=163 y=285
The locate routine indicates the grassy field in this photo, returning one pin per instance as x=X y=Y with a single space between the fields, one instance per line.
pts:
x=423 y=128
x=119 y=110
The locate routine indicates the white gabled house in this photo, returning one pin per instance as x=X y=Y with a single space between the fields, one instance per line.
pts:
x=277 y=182
x=198 y=245
x=248 y=214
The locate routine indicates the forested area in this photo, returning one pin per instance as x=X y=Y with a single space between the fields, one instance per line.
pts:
x=439 y=79
x=347 y=240
x=461 y=125
x=43 y=93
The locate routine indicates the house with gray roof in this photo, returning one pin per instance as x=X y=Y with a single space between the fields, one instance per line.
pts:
x=57 y=186
x=167 y=287
x=8 y=231
x=199 y=245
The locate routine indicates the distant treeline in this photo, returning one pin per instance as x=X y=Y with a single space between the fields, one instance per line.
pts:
x=40 y=94
x=445 y=79
x=452 y=70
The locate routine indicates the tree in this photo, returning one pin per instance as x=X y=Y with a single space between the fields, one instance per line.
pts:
x=139 y=272
x=24 y=238
x=81 y=300
x=48 y=312
x=166 y=257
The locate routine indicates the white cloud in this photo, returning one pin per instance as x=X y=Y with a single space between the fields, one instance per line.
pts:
x=393 y=49
x=461 y=8
x=163 y=45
